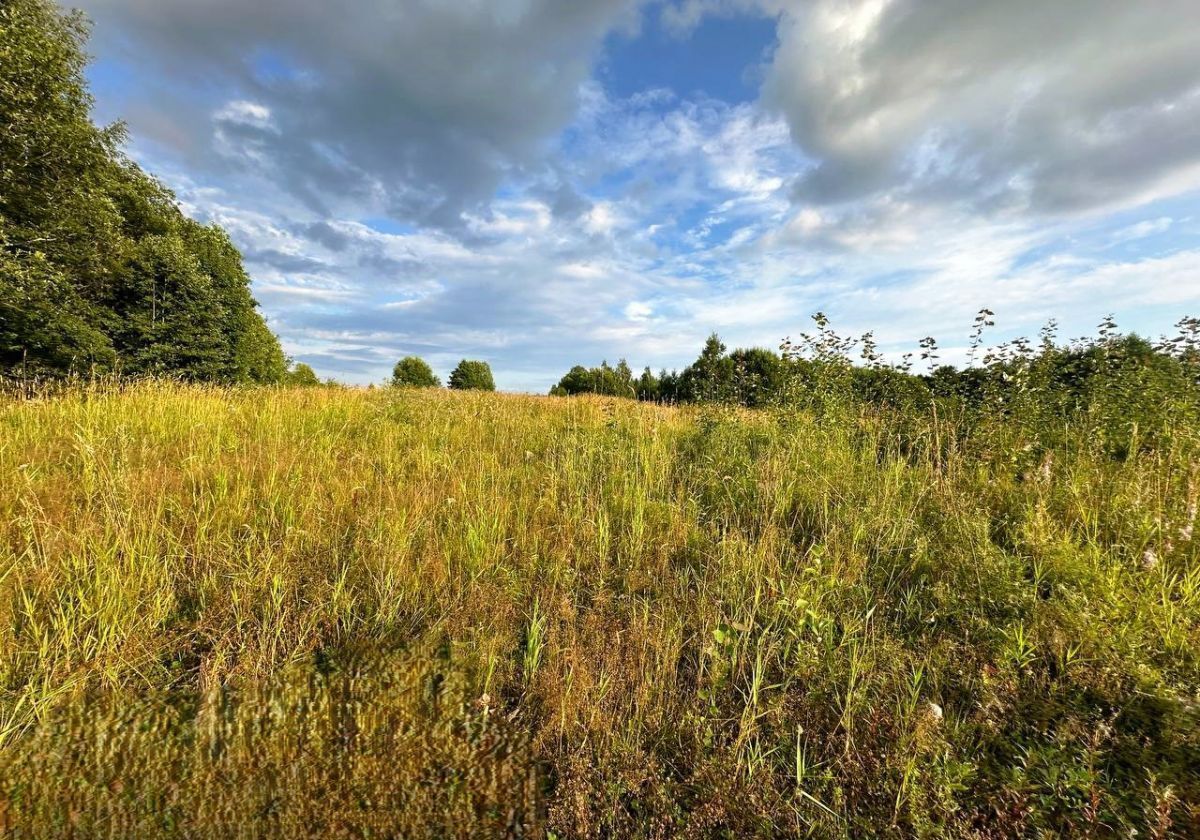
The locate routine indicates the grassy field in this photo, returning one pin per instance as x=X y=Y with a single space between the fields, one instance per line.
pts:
x=349 y=613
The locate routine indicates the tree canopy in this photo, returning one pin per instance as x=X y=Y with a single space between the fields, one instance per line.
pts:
x=1122 y=382
x=414 y=372
x=613 y=381
x=472 y=376
x=301 y=375
x=753 y=377
x=99 y=268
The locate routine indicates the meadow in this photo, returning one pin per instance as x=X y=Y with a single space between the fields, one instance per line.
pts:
x=376 y=613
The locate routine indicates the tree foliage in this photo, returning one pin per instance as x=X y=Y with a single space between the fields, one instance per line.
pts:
x=752 y=377
x=414 y=372
x=301 y=375
x=611 y=381
x=99 y=269
x=1132 y=392
x=472 y=376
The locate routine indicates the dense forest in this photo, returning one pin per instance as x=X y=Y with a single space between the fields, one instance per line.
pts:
x=100 y=271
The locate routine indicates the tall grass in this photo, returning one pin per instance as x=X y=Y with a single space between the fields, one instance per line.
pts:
x=396 y=613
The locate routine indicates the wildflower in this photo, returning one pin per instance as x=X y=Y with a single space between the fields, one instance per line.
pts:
x=935 y=711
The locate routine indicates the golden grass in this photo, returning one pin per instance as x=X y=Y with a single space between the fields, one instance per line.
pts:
x=402 y=613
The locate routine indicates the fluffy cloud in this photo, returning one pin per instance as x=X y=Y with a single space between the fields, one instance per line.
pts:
x=421 y=108
x=1024 y=105
x=448 y=178
x=528 y=288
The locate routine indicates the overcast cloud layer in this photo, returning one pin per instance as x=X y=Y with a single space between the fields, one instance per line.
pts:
x=460 y=179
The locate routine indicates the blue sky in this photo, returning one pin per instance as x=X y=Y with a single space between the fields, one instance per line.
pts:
x=539 y=184
x=719 y=58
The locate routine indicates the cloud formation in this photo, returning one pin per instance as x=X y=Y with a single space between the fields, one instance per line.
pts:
x=454 y=179
x=1018 y=106
x=419 y=108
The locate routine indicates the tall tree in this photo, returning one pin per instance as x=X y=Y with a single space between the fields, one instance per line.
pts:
x=98 y=266
x=605 y=379
x=648 y=386
x=578 y=380
x=710 y=377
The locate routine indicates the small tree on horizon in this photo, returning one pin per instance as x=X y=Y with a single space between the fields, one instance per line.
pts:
x=301 y=375
x=472 y=376
x=414 y=372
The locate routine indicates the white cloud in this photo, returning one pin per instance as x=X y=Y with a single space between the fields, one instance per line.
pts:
x=601 y=219
x=912 y=161
x=638 y=311
x=243 y=112
x=287 y=290
x=682 y=17
x=582 y=271
x=1015 y=106
x=422 y=106
x=1149 y=227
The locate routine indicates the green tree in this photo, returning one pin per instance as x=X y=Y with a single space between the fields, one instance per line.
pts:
x=648 y=386
x=53 y=211
x=578 y=380
x=624 y=386
x=413 y=372
x=757 y=376
x=55 y=165
x=605 y=379
x=259 y=358
x=99 y=268
x=251 y=352
x=166 y=317
x=472 y=376
x=44 y=325
x=710 y=377
x=668 y=386
x=301 y=375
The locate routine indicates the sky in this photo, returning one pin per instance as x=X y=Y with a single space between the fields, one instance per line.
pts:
x=541 y=183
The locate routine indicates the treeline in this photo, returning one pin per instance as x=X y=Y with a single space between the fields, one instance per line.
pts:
x=100 y=271
x=753 y=377
x=1132 y=389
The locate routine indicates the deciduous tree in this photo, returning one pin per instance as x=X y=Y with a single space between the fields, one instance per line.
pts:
x=472 y=376
x=413 y=372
